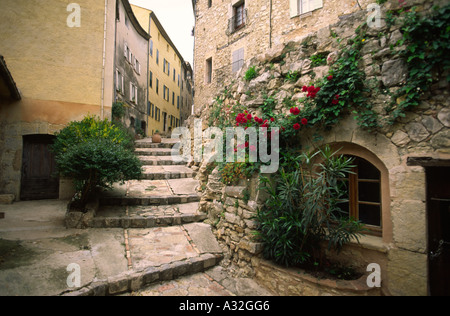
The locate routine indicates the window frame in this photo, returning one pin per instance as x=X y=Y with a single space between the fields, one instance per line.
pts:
x=354 y=201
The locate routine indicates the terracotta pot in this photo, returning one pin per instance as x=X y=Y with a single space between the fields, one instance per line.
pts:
x=156 y=138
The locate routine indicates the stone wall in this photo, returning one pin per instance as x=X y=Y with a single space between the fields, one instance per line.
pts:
x=268 y=24
x=401 y=250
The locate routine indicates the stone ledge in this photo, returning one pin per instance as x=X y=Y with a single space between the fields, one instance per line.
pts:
x=146 y=201
x=145 y=222
x=136 y=280
x=7 y=199
x=81 y=220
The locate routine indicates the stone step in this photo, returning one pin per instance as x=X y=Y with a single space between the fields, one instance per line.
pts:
x=160 y=161
x=166 y=172
x=152 y=192
x=165 y=143
x=153 y=151
x=145 y=201
x=147 y=216
x=159 y=254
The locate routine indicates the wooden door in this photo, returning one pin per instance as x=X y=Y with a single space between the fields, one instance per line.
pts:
x=40 y=179
x=438 y=204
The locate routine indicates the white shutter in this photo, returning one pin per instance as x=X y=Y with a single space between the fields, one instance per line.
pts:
x=316 y=4
x=294 y=9
x=305 y=6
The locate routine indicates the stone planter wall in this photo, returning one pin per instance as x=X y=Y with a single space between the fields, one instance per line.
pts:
x=295 y=282
x=401 y=249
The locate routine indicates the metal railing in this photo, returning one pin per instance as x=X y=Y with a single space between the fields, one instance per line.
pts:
x=237 y=22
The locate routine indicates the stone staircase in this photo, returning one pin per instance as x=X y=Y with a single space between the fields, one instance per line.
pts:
x=164 y=234
x=166 y=196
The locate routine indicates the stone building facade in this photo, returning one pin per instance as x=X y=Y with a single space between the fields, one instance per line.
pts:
x=169 y=93
x=132 y=45
x=229 y=33
x=410 y=158
x=61 y=57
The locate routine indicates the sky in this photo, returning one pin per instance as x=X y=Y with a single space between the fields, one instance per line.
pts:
x=177 y=18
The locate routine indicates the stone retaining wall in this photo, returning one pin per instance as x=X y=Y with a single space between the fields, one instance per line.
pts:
x=402 y=249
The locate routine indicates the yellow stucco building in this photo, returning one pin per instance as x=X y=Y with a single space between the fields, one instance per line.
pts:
x=166 y=76
x=61 y=58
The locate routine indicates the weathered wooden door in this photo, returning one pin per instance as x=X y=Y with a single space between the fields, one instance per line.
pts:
x=438 y=204
x=39 y=175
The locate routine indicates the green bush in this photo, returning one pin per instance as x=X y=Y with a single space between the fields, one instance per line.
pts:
x=303 y=211
x=95 y=153
x=90 y=128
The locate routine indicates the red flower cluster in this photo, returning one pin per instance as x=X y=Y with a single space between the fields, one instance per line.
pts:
x=243 y=118
x=295 y=111
x=312 y=91
x=335 y=100
x=246 y=119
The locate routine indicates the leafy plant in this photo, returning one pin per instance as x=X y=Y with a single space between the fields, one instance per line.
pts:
x=302 y=210
x=341 y=91
x=428 y=48
x=292 y=76
x=95 y=153
x=318 y=60
x=118 y=110
x=233 y=171
x=251 y=73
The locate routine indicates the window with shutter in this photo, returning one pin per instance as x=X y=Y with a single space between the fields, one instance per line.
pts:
x=299 y=7
x=238 y=60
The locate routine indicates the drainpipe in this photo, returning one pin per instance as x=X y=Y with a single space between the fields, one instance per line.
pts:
x=102 y=111
x=270 y=24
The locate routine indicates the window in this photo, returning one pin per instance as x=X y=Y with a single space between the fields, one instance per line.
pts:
x=238 y=14
x=157 y=114
x=173 y=98
x=209 y=3
x=364 y=200
x=299 y=7
x=119 y=81
x=126 y=52
x=151 y=48
x=238 y=60
x=133 y=93
x=151 y=80
x=157 y=56
x=208 y=74
x=239 y=19
x=137 y=66
x=157 y=86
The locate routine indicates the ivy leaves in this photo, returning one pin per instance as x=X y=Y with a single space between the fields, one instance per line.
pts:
x=428 y=48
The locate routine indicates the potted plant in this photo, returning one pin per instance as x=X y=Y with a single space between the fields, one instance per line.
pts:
x=156 y=138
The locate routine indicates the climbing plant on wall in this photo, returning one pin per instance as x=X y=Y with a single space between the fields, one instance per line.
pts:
x=427 y=55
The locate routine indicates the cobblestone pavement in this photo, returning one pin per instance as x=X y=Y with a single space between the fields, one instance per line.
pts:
x=214 y=282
